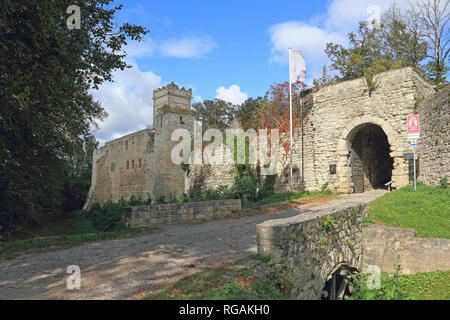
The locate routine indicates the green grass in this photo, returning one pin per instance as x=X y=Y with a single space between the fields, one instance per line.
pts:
x=426 y=210
x=72 y=223
x=211 y=285
x=66 y=231
x=419 y=286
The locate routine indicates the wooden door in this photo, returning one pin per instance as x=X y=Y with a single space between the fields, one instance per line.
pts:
x=357 y=173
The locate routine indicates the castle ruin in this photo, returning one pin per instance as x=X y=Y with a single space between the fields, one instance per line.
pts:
x=354 y=140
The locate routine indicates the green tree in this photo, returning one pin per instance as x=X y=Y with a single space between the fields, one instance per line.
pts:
x=365 y=47
x=402 y=38
x=214 y=113
x=433 y=17
x=324 y=79
x=46 y=70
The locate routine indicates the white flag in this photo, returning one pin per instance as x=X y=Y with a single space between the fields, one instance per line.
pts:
x=297 y=66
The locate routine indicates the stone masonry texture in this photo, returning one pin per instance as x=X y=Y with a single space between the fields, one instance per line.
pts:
x=313 y=244
x=337 y=113
x=388 y=247
x=433 y=147
x=167 y=214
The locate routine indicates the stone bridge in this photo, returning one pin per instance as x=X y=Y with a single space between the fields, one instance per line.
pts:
x=320 y=247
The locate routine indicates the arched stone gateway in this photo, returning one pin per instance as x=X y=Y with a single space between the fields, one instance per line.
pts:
x=372 y=143
x=314 y=245
x=343 y=113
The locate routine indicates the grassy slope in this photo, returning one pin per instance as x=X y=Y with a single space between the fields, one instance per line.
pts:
x=66 y=231
x=419 y=286
x=212 y=285
x=426 y=210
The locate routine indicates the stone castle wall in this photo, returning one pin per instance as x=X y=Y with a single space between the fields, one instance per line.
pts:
x=433 y=147
x=169 y=178
x=122 y=168
x=337 y=114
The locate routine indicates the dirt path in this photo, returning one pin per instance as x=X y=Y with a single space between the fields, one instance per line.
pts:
x=130 y=268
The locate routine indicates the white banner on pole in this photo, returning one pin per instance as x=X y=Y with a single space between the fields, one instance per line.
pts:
x=297 y=66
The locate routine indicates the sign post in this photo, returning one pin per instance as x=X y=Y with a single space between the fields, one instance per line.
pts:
x=413 y=125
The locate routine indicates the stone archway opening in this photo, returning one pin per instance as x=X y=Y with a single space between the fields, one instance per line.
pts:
x=370 y=161
x=337 y=285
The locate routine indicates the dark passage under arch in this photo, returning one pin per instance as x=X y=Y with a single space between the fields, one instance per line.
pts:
x=371 y=163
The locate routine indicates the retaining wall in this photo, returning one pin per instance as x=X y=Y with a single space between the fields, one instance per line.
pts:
x=386 y=247
x=167 y=214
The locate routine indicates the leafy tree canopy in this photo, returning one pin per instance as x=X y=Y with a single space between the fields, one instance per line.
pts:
x=46 y=70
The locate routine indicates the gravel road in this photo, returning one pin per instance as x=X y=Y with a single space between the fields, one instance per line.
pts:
x=130 y=268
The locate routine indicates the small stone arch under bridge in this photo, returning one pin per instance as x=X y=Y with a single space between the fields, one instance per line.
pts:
x=319 y=248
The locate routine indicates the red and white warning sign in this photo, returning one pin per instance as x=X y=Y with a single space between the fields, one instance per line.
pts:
x=413 y=127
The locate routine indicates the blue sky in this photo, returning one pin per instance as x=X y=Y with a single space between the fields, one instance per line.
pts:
x=226 y=49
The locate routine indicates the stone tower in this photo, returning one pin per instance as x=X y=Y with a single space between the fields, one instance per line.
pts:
x=171 y=110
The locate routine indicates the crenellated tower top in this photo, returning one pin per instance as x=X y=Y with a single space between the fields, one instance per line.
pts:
x=172 y=96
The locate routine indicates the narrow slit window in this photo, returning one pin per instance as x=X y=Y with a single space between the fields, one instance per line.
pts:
x=140 y=163
x=132 y=164
x=128 y=164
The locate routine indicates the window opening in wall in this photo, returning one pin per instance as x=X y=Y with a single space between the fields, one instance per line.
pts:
x=128 y=164
x=140 y=163
x=126 y=145
x=132 y=164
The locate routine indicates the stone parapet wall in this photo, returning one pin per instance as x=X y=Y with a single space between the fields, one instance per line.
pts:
x=433 y=147
x=387 y=247
x=313 y=243
x=168 y=214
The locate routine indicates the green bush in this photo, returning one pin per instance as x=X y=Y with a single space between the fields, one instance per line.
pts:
x=391 y=287
x=246 y=188
x=107 y=216
x=267 y=188
x=443 y=183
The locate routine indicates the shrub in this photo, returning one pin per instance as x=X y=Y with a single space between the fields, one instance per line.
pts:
x=246 y=188
x=107 y=216
x=391 y=287
x=443 y=183
x=267 y=188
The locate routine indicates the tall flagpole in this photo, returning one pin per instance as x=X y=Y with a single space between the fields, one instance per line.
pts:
x=303 y=147
x=290 y=115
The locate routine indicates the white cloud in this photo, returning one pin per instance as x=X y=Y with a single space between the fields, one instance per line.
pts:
x=197 y=99
x=128 y=101
x=189 y=47
x=233 y=94
x=311 y=36
x=301 y=36
x=343 y=15
x=144 y=48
